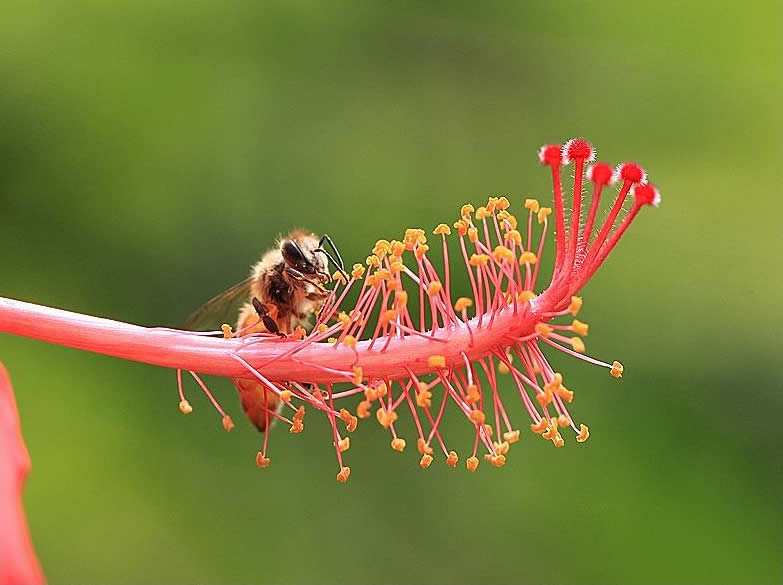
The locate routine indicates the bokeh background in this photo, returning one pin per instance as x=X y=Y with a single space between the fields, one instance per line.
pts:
x=149 y=152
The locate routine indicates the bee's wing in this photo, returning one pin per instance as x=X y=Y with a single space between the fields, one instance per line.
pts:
x=219 y=309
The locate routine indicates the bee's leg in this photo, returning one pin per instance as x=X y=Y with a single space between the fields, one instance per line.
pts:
x=269 y=323
x=294 y=273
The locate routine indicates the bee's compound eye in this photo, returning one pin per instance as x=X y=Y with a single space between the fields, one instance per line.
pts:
x=293 y=256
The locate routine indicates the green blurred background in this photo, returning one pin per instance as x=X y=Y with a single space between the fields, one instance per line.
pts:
x=149 y=152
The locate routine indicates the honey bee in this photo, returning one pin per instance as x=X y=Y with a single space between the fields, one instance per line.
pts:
x=285 y=288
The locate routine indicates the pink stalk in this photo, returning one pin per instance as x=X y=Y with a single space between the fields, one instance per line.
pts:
x=388 y=359
x=18 y=563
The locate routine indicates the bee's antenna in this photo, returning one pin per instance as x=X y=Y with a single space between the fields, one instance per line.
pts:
x=328 y=240
x=339 y=268
x=339 y=262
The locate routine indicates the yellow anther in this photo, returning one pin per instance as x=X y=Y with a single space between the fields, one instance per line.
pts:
x=551 y=430
x=466 y=210
x=528 y=258
x=477 y=417
x=526 y=296
x=483 y=213
x=421 y=249
x=565 y=393
x=543 y=329
x=332 y=340
x=285 y=395
x=563 y=421
x=501 y=448
x=397 y=248
x=357 y=375
x=398 y=444
x=382 y=247
x=261 y=461
x=479 y=260
x=503 y=368
x=373 y=260
x=509 y=221
x=540 y=426
x=385 y=417
x=344 y=474
x=501 y=253
x=583 y=435
x=511 y=436
x=425 y=461
x=578 y=345
x=472 y=234
x=387 y=316
x=413 y=237
x=544 y=398
x=228 y=424
x=400 y=298
x=383 y=274
x=343 y=318
x=502 y=203
x=357 y=272
x=576 y=304
x=473 y=394
x=300 y=413
x=513 y=236
x=227 y=332
x=363 y=409
x=498 y=460
x=424 y=399
x=436 y=361
x=558 y=440
x=554 y=383
x=452 y=459
x=349 y=341
x=297 y=426
x=344 y=444
x=461 y=226
x=322 y=327
x=299 y=333
x=434 y=288
x=442 y=229
x=422 y=447
x=371 y=393
x=492 y=203
x=617 y=370
x=396 y=265
x=185 y=407
x=338 y=276
x=381 y=389
x=579 y=328
x=462 y=304
x=472 y=463
x=543 y=213
x=532 y=205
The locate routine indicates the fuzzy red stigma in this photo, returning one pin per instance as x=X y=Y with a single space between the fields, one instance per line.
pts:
x=632 y=173
x=647 y=195
x=551 y=154
x=601 y=174
x=578 y=148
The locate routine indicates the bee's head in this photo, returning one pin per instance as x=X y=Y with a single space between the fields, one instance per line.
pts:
x=300 y=254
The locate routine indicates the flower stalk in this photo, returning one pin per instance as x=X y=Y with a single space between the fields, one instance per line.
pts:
x=406 y=345
x=18 y=563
